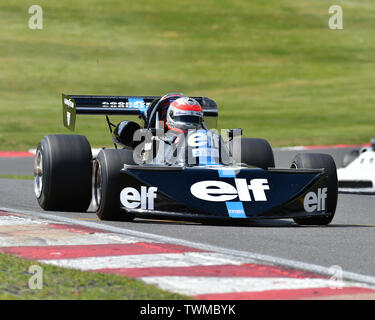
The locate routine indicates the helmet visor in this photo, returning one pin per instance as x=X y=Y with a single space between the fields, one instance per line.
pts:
x=188 y=119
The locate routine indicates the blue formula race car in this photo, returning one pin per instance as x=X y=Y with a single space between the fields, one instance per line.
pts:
x=172 y=163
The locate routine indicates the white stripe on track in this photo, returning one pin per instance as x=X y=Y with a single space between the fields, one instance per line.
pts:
x=74 y=239
x=15 y=220
x=186 y=259
x=213 y=285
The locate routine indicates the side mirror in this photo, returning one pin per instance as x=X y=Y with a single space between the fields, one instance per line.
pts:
x=124 y=132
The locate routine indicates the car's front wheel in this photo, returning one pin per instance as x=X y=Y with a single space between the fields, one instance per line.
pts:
x=106 y=184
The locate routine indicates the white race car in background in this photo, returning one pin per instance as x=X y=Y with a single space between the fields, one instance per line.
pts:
x=358 y=173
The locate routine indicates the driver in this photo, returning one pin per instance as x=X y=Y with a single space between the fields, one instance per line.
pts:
x=186 y=114
x=183 y=114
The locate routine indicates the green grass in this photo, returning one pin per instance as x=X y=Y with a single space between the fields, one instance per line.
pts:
x=274 y=67
x=68 y=284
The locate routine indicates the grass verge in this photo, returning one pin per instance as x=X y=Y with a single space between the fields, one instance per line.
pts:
x=275 y=67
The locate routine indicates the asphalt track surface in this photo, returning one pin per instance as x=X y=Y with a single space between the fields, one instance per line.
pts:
x=348 y=242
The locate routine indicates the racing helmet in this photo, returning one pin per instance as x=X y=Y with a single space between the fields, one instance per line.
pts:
x=183 y=114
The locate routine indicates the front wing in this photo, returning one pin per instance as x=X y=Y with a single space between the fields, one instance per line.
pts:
x=223 y=192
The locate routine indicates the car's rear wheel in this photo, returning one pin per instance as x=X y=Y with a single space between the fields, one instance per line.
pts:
x=106 y=184
x=255 y=152
x=326 y=162
x=62 y=173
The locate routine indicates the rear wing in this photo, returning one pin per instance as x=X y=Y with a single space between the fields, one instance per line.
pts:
x=122 y=105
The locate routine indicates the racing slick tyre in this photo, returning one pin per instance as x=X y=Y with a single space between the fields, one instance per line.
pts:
x=62 y=173
x=106 y=184
x=255 y=152
x=350 y=157
x=318 y=161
